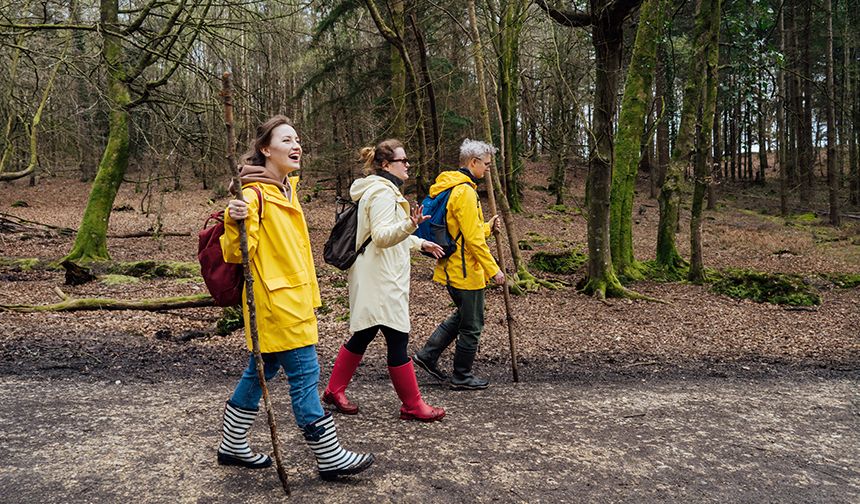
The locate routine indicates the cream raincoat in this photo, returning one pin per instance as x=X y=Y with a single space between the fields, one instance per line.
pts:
x=379 y=278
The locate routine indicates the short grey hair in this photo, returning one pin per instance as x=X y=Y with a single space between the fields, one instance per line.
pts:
x=474 y=149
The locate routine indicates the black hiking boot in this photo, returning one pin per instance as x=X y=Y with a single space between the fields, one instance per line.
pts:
x=463 y=379
x=430 y=366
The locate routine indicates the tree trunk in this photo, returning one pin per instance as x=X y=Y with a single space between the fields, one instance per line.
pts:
x=670 y=195
x=854 y=139
x=510 y=27
x=91 y=240
x=763 y=128
x=628 y=146
x=505 y=210
x=832 y=168
x=607 y=38
x=807 y=174
x=433 y=115
x=737 y=170
x=661 y=92
x=398 y=75
x=709 y=16
x=781 y=136
x=716 y=161
x=749 y=156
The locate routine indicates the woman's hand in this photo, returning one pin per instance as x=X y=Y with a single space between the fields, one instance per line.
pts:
x=417 y=217
x=495 y=224
x=433 y=249
x=238 y=209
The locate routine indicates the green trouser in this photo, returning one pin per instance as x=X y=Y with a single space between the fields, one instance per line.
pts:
x=467 y=323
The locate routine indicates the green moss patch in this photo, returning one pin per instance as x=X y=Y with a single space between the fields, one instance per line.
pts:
x=156 y=269
x=118 y=279
x=774 y=288
x=652 y=271
x=231 y=319
x=562 y=263
x=843 y=281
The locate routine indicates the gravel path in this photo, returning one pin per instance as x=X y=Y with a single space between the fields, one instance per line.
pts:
x=684 y=439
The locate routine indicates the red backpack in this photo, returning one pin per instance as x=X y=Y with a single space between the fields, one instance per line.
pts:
x=224 y=280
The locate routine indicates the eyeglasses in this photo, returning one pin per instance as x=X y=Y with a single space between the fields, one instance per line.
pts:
x=401 y=160
x=486 y=163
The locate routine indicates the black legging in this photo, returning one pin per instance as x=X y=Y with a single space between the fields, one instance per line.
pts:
x=396 y=342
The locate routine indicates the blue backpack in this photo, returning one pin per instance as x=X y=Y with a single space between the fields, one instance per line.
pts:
x=435 y=229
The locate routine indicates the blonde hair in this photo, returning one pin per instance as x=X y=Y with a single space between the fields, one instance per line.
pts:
x=373 y=157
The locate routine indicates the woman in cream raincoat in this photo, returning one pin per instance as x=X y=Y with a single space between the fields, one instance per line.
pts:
x=379 y=281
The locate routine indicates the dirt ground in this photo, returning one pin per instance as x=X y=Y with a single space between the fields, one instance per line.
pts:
x=777 y=439
x=702 y=399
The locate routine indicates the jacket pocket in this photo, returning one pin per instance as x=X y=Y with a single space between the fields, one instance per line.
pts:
x=291 y=280
x=289 y=300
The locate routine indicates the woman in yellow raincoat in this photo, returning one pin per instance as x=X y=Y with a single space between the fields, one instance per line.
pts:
x=285 y=293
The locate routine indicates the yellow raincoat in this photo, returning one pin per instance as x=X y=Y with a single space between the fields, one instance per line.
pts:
x=468 y=268
x=285 y=282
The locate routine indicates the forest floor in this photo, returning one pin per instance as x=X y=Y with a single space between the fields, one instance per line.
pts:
x=703 y=399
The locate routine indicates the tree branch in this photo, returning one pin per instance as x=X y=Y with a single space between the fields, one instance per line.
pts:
x=83 y=304
x=575 y=19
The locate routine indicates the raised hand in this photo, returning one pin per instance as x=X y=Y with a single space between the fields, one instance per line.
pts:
x=417 y=217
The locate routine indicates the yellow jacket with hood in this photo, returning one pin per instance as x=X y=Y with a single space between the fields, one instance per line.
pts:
x=472 y=265
x=285 y=282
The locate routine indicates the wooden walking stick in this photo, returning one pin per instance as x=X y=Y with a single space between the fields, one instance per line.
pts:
x=226 y=93
x=485 y=115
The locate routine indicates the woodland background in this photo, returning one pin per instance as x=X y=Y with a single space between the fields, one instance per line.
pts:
x=697 y=159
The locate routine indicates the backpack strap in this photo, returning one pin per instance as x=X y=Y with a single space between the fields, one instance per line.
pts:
x=259 y=198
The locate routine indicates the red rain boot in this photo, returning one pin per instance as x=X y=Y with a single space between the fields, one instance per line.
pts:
x=344 y=367
x=406 y=385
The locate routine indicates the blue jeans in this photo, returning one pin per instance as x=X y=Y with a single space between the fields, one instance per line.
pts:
x=303 y=374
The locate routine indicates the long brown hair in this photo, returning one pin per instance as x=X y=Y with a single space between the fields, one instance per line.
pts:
x=373 y=157
x=254 y=155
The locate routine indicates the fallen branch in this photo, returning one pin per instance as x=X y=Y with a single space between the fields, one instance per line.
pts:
x=13 y=224
x=84 y=304
x=140 y=269
x=148 y=234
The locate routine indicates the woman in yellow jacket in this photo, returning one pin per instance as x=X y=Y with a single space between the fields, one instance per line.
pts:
x=286 y=293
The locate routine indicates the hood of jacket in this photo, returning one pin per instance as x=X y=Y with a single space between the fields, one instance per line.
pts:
x=371 y=182
x=449 y=179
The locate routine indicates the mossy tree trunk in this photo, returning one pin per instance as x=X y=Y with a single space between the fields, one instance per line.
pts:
x=606 y=19
x=91 y=240
x=709 y=16
x=631 y=124
x=682 y=155
x=607 y=39
x=510 y=26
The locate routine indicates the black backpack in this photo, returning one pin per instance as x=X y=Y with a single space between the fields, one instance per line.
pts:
x=339 y=250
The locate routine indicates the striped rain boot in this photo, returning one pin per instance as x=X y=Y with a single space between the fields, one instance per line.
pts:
x=332 y=459
x=234 y=448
